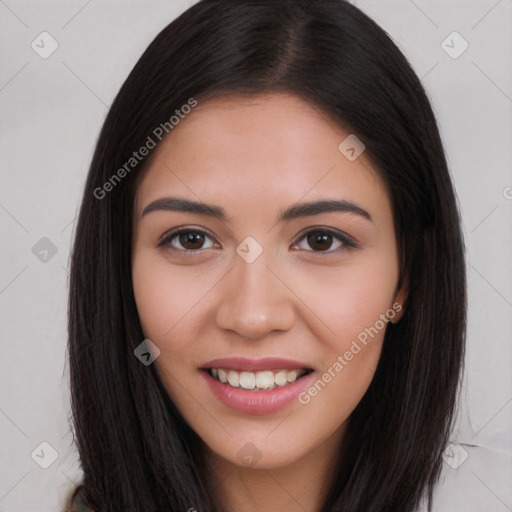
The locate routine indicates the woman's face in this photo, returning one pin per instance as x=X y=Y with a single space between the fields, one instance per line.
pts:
x=269 y=259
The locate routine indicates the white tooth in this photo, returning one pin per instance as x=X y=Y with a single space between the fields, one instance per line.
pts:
x=214 y=372
x=264 y=379
x=222 y=375
x=247 y=380
x=280 y=378
x=233 y=378
x=291 y=376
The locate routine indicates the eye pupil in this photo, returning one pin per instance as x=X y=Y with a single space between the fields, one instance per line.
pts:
x=191 y=240
x=322 y=241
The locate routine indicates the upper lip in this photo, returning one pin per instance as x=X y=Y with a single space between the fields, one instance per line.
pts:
x=254 y=365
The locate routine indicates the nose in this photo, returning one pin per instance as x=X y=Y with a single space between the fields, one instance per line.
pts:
x=254 y=301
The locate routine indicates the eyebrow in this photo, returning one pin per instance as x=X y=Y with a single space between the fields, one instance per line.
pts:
x=294 y=212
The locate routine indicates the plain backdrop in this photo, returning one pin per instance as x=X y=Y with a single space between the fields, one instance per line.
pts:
x=51 y=112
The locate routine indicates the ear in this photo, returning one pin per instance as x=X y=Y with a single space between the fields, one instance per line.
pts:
x=399 y=303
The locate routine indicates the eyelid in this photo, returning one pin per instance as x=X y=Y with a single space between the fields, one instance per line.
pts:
x=347 y=241
x=167 y=237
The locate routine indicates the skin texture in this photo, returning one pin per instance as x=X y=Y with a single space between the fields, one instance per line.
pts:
x=255 y=157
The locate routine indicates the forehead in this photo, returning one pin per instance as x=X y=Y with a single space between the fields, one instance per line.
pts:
x=273 y=125
x=274 y=146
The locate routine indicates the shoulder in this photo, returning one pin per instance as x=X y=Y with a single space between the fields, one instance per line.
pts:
x=76 y=501
x=474 y=478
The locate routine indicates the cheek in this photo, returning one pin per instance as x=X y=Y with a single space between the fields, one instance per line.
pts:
x=167 y=304
x=352 y=302
x=356 y=304
x=357 y=316
x=361 y=315
x=165 y=296
x=155 y=300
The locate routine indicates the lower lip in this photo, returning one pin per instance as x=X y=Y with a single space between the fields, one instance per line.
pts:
x=257 y=402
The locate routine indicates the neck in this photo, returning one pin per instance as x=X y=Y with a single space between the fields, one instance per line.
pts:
x=297 y=487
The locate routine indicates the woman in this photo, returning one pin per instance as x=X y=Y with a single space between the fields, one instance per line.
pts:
x=267 y=292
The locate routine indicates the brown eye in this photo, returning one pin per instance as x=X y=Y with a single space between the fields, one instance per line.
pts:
x=190 y=240
x=319 y=241
x=325 y=240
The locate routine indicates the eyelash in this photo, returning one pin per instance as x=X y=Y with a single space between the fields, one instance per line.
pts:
x=347 y=242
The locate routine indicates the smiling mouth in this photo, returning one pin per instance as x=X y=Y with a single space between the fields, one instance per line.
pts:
x=260 y=380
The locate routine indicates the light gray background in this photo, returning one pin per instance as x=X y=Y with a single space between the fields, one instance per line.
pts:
x=52 y=110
